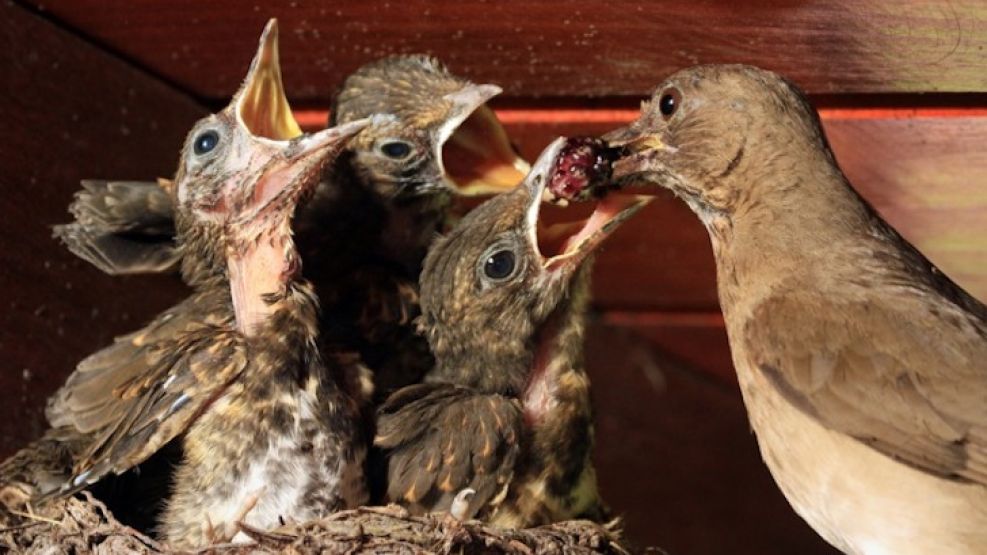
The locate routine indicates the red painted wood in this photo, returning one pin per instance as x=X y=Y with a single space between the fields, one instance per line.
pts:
x=695 y=339
x=546 y=48
x=69 y=111
x=675 y=456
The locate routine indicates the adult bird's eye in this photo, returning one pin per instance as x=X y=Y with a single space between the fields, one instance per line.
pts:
x=396 y=149
x=205 y=142
x=669 y=102
x=499 y=265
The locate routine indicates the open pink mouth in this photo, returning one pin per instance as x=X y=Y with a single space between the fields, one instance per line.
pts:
x=568 y=243
x=580 y=171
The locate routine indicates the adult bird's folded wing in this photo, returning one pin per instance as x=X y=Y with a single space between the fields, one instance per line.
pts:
x=906 y=375
x=122 y=227
x=442 y=438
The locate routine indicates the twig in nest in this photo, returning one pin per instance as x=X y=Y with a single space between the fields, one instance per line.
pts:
x=87 y=526
x=31 y=516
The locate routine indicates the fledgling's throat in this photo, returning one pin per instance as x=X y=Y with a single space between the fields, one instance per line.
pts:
x=261 y=272
x=558 y=351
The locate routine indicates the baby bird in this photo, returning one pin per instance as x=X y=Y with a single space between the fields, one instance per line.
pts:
x=235 y=371
x=506 y=411
x=364 y=235
x=863 y=367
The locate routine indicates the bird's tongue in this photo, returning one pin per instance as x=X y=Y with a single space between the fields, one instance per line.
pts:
x=561 y=240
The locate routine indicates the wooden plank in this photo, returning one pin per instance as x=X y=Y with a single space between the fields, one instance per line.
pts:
x=695 y=339
x=544 y=48
x=69 y=111
x=928 y=177
x=675 y=456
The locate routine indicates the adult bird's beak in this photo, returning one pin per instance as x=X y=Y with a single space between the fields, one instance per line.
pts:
x=642 y=151
x=261 y=105
x=565 y=246
x=474 y=151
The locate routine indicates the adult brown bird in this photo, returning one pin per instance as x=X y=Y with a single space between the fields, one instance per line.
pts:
x=365 y=234
x=235 y=370
x=863 y=367
x=505 y=412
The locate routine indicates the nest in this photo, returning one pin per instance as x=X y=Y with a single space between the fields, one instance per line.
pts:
x=83 y=524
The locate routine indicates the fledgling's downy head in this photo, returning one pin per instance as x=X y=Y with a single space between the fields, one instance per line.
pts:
x=497 y=276
x=243 y=170
x=440 y=137
x=718 y=136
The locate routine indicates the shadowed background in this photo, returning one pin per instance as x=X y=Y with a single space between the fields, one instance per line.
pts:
x=107 y=89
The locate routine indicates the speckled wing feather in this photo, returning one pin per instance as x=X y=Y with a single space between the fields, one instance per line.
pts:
x=906 y=375
x=144 y=390
x=442 y=438
x=122 y=227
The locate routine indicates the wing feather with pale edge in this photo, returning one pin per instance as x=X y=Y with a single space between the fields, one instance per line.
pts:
x=442 y=438
x=144 y=390
x=122 y=227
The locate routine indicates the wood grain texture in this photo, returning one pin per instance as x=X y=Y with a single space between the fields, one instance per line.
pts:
x=69 y=111
x=546 y=48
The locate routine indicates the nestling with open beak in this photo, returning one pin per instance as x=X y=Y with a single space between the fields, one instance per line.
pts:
x=506 y=409
x=365 y=233
x=390 y=197
x=235 y=371
x=863 y=367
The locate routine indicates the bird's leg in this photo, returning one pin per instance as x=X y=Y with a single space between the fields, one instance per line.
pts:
x=209 y=531
x=248 y=505
x=226 y=531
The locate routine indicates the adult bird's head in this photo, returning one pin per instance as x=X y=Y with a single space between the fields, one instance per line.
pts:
x=489 y=286
x=441 y=138
x=724 y=138
x=243 y=169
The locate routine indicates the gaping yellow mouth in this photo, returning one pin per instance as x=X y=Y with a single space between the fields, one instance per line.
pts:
x=262 y=106
x=478 y=157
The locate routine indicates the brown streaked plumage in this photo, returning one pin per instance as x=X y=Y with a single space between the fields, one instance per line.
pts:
x=122 y=227
x=862 y=366
x=366 y=231
x=235 y=371
x=506 y=409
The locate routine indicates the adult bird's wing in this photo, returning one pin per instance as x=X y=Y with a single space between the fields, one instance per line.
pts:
x=144 y=390
x=905 y=375
x=122 y=227
x=442 y=438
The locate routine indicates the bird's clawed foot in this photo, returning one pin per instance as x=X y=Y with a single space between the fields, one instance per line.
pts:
x=225 y=532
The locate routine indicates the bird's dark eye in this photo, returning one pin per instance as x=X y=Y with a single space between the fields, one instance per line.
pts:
x=396 y=149
x=205 y=142
x=669 y=102
x=500 y=265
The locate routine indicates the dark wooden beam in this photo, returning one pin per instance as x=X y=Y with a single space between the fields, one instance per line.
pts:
x=546 y=48
x=69 y=111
